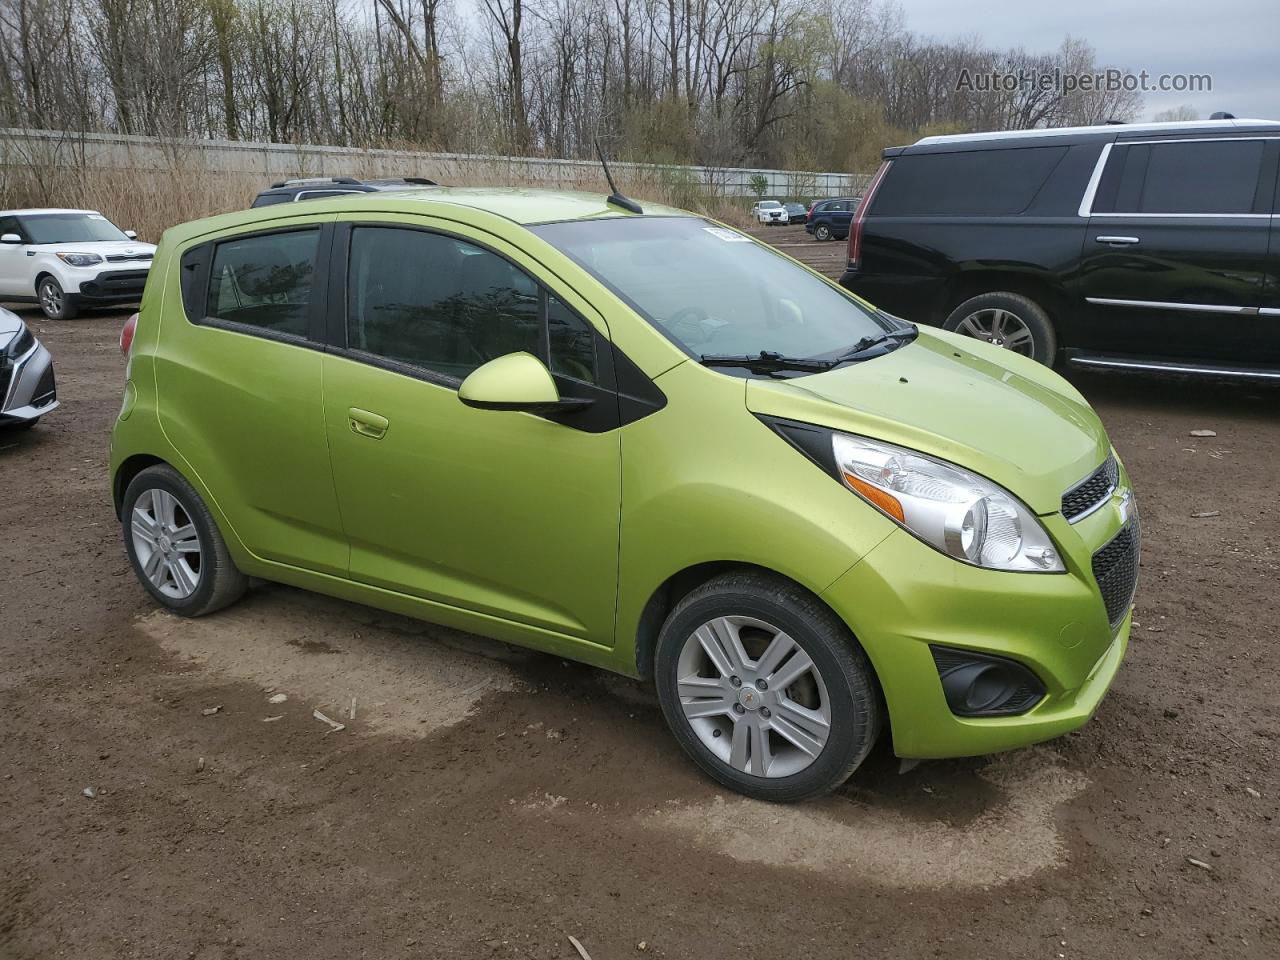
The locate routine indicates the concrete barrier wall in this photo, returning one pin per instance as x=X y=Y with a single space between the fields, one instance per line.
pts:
x=275 y=161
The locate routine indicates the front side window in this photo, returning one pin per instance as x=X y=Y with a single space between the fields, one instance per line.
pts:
x=1194 y=176
x=70 y=228
x=449 y=306
x=714 y=290
x=265 y=281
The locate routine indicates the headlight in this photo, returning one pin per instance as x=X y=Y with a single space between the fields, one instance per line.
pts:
x=20 y=343
x=80 y=259
x=954 y=511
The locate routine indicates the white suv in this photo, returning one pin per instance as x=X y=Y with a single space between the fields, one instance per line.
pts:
x=68 y=259
x=769 y=212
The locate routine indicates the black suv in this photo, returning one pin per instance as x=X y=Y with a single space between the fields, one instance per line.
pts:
x=1148 y=246
x=829 y=219
x=310 y=188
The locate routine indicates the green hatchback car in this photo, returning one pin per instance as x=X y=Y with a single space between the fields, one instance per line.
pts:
x=640 y=440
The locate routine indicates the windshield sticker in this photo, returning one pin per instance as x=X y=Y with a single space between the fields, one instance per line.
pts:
x=728 y=236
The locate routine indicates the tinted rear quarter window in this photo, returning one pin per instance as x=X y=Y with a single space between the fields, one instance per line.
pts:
x=972 y=183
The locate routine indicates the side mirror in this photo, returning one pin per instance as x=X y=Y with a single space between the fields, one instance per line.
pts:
x=10 y=238
x=517 y=381
x=131 y=234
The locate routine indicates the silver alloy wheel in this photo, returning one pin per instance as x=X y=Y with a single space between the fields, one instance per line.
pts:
x=51 y=298
x=1001 y=327
x=753 y=697
x=166 y=543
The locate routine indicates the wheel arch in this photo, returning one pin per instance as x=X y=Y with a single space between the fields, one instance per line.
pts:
x=1028 y=282
x=129 y=468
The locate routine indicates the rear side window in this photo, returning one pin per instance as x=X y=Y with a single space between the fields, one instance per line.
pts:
x=449 y=306
x=264 y=281
x=270 y=199
x=1204 y=176
x=978 y=183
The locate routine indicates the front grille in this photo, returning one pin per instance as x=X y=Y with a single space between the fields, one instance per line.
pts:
x=128 y=257
x=6 y=373
x=1090 y=493
x=1115 y=567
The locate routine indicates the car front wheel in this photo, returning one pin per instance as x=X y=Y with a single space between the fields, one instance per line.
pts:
x=54 y=301
x=175 y=547
x=1007 y=320
x=765 y=688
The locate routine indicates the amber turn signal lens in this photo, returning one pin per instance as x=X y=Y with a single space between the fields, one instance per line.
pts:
x=886 y=502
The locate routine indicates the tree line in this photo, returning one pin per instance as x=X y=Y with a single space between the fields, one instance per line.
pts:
x=802 y=84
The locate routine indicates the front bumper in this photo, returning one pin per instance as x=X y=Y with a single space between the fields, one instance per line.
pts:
x=114 y=286
x=904 y=596
x=27 y=387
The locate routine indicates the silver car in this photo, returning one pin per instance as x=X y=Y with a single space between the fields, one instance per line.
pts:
x=27 y=390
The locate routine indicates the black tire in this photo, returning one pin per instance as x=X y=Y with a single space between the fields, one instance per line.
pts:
x=218 y=582
x=844 y=669
x=55 y=302
x=822 y=232
x=1044 y=340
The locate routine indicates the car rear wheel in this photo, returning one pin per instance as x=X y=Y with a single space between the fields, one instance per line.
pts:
x=56 y=303
x=175 y=547
x=822 y=232
x=765 y=688
x=1007 y=320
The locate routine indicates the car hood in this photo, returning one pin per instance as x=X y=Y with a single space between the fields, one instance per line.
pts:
x=10 y=323
x=103 y=247
x=997 y=413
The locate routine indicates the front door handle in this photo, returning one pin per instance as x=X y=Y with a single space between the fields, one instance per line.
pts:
x=1117 y=241
x=367 y=424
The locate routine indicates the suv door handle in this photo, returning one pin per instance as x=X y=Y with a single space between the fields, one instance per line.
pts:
x=1117 y=241
x=367 y=424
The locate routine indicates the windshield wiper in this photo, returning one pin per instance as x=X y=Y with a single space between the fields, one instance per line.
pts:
x=767 y=361
x=866 y=343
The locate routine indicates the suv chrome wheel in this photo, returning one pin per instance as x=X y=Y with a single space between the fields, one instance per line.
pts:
x=166 y=543
x=753 y=697
x=1000 y=327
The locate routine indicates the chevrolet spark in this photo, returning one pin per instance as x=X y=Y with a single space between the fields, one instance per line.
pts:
x=641 y=440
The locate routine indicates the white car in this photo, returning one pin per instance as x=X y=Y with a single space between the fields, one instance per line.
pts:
x=769 y=212
x=69 y=259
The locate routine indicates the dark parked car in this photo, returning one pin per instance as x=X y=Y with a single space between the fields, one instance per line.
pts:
x=1146 y=246
x=310 y=188
x=796 y=213
x=829 y=219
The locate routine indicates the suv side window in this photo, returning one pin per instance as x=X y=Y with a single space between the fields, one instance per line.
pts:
x=1201 y=176
x=981 y=183
x=449 y=306
x=11 y=225
x=264 y=281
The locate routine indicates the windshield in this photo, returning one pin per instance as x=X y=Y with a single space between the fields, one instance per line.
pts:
x=770 y=204
x=71 y=228
x=714 y=290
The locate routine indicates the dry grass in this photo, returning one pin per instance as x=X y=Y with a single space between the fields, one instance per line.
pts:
x=150 y=200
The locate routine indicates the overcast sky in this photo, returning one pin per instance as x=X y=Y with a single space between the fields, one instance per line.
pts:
x=1237 y=42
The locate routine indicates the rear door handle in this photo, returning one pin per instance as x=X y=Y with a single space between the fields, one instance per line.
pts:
x=1117 y=241
x=367 y=424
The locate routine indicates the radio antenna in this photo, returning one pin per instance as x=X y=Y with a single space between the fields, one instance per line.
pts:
x=616 y=198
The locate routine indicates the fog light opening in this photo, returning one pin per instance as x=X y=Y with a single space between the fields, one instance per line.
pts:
x=984 y=685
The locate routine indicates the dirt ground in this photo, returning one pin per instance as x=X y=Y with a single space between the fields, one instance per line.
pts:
x=486 y=802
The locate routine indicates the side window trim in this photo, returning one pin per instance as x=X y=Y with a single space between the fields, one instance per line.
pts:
x=195 y=289
x=1091 y=190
